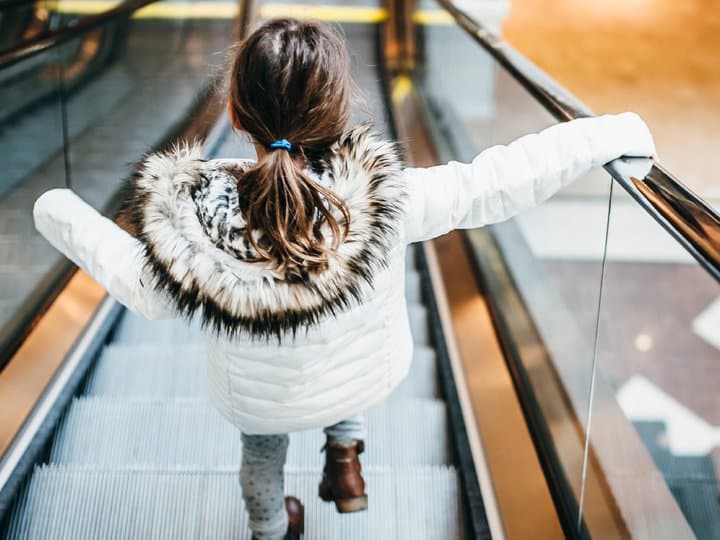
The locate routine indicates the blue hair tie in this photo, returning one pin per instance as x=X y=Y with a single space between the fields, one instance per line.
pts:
x=282 y=143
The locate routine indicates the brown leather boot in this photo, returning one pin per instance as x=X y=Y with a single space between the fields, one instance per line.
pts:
x=342 y=481
x=296 y=519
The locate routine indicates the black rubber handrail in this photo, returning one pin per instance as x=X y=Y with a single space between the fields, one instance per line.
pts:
x=681 y=212
x=49 y=40
x=6 y=4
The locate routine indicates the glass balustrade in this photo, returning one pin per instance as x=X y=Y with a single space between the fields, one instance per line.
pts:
x=81 y=114
x=615 y=329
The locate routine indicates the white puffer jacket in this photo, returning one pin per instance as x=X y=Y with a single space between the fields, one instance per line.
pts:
x=284 y=355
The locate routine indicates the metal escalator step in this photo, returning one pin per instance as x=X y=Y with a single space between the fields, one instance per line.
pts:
x=413 y=287
x=422 y=381
x=77 y=503
x=135 y=329
x=149 y=370
x=179 y=371
x=410 y=258
x=121 y=433
x=148 y=353
x=417 y=314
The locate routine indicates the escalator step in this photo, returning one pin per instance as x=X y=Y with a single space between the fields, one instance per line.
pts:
x=179 y=371
x=149 y=371
x=120 y=433
x=417 y=313
x=410 y=258
x=422 y=380
x=413 y=289
x=137 y=330
x=77 y=503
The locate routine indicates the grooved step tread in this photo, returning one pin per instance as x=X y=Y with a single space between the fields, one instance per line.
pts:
x=76 y=503
x=153 y=370
x=190 y=432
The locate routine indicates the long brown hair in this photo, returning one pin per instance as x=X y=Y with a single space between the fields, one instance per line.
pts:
x=290 y=80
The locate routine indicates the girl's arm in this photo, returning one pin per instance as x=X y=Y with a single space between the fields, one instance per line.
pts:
x=505 y=180
x=102 y=249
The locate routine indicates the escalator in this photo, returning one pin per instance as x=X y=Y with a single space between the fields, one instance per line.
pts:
x=141 y=453
x=530 y=411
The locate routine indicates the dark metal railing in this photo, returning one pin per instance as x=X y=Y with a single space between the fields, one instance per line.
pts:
x=49 y=40
x=7 y=4
x=682 y=213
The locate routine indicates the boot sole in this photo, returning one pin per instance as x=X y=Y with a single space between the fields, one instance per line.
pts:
x=356 y=504
x=345 y=506
x=302 y=521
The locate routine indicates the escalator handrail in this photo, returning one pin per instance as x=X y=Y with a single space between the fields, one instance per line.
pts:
x=688 y=218
x=49 y=40
x=7 y=4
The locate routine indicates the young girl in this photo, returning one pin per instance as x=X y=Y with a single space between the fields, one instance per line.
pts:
x=294 y=263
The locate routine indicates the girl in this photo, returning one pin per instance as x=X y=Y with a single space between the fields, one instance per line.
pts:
x=295 y=262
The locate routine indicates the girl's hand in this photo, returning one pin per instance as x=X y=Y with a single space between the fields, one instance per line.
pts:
x=634 y=135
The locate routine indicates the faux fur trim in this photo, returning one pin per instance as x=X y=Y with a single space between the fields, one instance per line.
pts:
x=235 y=296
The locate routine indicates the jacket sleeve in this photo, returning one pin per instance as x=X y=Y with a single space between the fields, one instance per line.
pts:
x=505 y=180
x=102 y=249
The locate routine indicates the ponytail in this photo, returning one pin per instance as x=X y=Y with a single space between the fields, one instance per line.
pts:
x=293 y=212
x=291 y=79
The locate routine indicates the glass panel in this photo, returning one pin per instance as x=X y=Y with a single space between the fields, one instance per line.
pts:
x=640 y=370
x=132 y=83
x=128 y=87
x=551 y=257
x=658 y=375
x=31 y=146
x=21 y=20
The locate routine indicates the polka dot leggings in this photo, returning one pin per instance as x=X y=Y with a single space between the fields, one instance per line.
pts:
x=261 y=478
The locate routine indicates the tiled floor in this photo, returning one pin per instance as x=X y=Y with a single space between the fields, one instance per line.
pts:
x=692 y=479
x=647 y=329
x=647 y=340
x=572 y=228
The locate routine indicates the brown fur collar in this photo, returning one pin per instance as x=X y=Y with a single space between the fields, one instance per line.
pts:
x=232 y=296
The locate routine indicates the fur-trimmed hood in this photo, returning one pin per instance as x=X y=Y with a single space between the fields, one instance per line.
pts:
x=186 y=212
